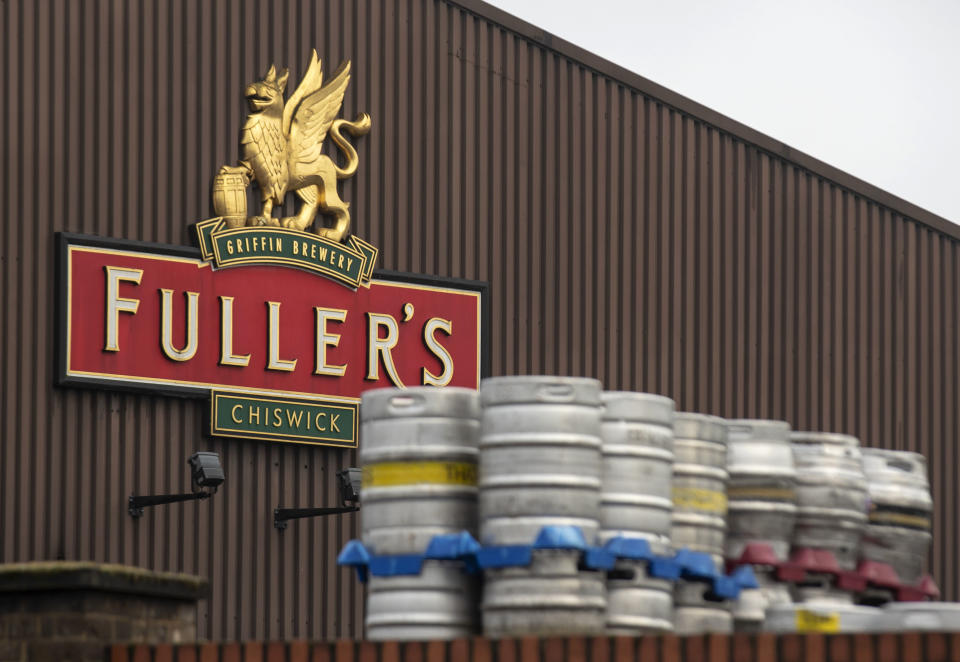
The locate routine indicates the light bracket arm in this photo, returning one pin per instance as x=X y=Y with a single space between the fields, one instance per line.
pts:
x=281 y=515
x=136 y=504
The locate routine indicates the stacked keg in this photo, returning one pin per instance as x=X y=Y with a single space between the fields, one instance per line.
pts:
x=913 y=616
x=533 y=452
x=699 y=514
x=762 y=507
x=540 y=465
x=419 y=462
x=637 y=432
x=822 y=617
x=762 y=497
x=831 y=494
x=696 y=612
x=831 y=515
x=700 y=484
x=898 y=531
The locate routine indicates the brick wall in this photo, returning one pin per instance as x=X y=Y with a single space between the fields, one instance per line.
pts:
x=904 y=647
x=72 y=612
x=77 y=625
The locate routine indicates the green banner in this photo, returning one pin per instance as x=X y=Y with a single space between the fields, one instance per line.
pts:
x=284 y=419
x=350 y=263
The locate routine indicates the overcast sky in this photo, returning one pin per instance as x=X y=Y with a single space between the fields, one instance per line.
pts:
x=869 y=86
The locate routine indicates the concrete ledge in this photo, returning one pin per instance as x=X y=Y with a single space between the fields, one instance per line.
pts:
x=77 y=575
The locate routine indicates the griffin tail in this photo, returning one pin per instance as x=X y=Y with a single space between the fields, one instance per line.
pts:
x=358 y=127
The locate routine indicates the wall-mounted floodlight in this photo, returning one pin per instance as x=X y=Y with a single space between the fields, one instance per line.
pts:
x=205 y=472
x=348 y=483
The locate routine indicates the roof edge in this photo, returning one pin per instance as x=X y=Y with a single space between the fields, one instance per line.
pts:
x=707 y=115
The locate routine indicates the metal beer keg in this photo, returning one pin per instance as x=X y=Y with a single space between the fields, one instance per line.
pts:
x=700 y=484
x=418 y=452
x=827 y=618
x=439 y=603
x=635 y=501
x=750 y=609
x=540 y=461
x=762 y=500
x=831 y=494
x=914 y=616
x=898 y=529
x=637 y=603
x=694 y=614
x=551 y=596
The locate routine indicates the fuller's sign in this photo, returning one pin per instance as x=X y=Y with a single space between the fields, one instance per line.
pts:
x=281 y=321
x=162 y=319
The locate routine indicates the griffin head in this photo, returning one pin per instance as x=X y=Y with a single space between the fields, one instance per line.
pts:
x=267 y=94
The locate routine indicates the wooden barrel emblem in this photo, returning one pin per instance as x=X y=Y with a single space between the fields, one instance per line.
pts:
x=230 y=198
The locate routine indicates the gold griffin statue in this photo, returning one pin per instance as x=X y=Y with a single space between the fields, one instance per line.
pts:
x=281 y=147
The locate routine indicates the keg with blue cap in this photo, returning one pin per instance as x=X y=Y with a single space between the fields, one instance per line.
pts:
x=418 y=455
x=700 y=484
x=636 y=499
x=636 y=503
x=541 y=471
x=540 y=457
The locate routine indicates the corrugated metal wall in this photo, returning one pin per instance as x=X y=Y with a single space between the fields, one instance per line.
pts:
x=627 y=233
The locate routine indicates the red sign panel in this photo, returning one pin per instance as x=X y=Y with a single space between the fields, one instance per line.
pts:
x=159 y=318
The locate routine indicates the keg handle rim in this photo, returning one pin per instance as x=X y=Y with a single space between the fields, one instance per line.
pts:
x=556 y=392
x=405 y=402
x=900 y=465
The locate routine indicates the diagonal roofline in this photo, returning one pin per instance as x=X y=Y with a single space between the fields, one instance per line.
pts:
x=707 y=115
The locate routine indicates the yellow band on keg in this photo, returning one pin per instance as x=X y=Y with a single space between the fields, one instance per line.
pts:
x=902 y=519
x=772 y=493
x=697 y=498
x=394 y=474
x=810 y=621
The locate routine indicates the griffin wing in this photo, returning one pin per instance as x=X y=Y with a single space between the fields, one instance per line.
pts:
x=312 y=80
x=313 y=112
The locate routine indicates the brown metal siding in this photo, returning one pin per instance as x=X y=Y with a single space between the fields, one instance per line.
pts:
x=627 y=233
